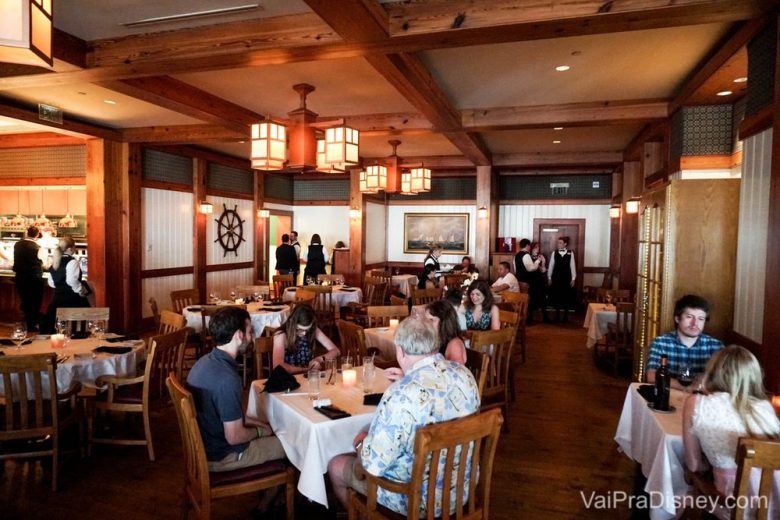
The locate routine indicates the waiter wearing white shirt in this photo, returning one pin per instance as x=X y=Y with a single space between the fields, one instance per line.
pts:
x=562 y=275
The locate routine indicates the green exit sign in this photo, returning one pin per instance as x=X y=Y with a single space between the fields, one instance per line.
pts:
x=49 y=113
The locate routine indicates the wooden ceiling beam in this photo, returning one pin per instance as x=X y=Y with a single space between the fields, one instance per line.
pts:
x=39 y=139
x=13 y=110
x=69 y=48
x=182 y=134
x=182 y=97
x=557 y=159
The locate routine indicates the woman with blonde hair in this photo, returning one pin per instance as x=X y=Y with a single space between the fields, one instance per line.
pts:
x=293 y=346
x=733 y=405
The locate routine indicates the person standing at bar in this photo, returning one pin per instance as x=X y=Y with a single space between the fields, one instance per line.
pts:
x=29 y=277
x=316 y=257
x=65 y=273
x=562 y=274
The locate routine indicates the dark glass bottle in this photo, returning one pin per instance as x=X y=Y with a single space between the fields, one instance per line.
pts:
x=663 y=382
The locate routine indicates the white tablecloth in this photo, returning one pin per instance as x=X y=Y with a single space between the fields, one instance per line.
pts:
x=340 y=297
x=405 y=282
x=260 y=319
x=381 y=338
x=597 y=320
x=654 y=440
x=79 y=365
x=310 y=439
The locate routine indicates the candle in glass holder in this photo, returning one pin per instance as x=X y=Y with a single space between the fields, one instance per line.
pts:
x=57 y=340
x=349 y=377
x=776 y=404
x=393 y=323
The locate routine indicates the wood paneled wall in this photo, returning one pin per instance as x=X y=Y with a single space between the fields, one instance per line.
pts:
x=160 y=289
x=168 y=229
x=376 y=232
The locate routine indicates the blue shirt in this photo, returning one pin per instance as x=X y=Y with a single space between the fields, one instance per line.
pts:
x=302 y=356
x=432 y=391
x=695 y=357
x=216 y=388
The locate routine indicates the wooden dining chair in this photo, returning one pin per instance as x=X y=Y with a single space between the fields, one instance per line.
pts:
x=142 y=393
x=264 y=346
x=519 y=302
x=323 y=307
x=353 y=341
x=426 y=296
x=304 y=297
x=33 y=416
x=170 y=322
x=613 y=296
x=79 y=317
x=764 y=455
x=155 y=310
x=455 y=279
x=467 y=441
x=478 y=363
x=397 y=300
x=380 y=315
x=498 y=345
x=383 y=276
x=333 y=279
x=282 y=282
x=202 y=486
x=524 y=288
x=263 y=290
x=375 y=290
x=184 y=298
x=619 y=345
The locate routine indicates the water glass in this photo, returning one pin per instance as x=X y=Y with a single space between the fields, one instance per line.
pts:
x=19 y=334
x=346 y=362
x=314 y=384
x=369 y=371
x=98 y=328
x=330 y=371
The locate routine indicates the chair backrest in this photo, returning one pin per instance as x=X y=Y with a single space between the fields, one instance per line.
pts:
x=353 y=341
x=29 y=419
x=455 y=280
x=195 y=465
x=184 y=298
x=380 y=315
x=508 y=319
x=79 y=316
x=477 y=436
x=206 y=312
x=479 y=364
x=155 y=310
x=606 y=283
x=170 y=322
x=335 y=279
x=524 y=287
x=165 y=356
x=249 y=290
x=374 y=290
x=264 y=346
x=621 y=332
x=383 y=276
x=613 y=295
x=518 y=300
x=397 y=300
x=762 y=454
x=282 y=282
x=498 y=345
x=426 y=296
x=305 y=297
x=324 y=297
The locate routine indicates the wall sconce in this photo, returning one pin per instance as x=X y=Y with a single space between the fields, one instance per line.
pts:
x=632 y=205
x=354 y=213
x=207 y=208
x=614 y=212
x=482 y=212
x=263 y=213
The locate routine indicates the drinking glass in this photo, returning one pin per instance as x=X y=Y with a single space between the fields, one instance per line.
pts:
x=369 y=371
x=99 y=329
x=233 y=295
x=214 y=297
x=346 y=362
x=314 y=384
x=685 y=376
x=19 y=334
x=63 y=327
x=330 y=371
x=256 y=296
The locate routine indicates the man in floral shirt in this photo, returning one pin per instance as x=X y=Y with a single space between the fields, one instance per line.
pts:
x=427 y=389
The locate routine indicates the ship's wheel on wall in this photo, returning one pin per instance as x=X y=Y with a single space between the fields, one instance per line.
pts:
x=230 y=230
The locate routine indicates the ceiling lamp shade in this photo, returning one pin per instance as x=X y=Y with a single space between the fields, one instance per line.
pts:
x=376 y=178
x=342 y=146
x=421 y=180
x=269 y=146
x=18 y=222
x=26 y=32
x=324 y=166
x=406 y=184
x=42 y=222
x=364 y=184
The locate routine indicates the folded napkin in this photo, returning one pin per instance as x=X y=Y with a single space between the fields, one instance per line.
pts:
x=83 y=334
x=332 y=412
x=280 y=380
x=372 y=399
x=121 y=339
x=647 y=391
x=106 y=349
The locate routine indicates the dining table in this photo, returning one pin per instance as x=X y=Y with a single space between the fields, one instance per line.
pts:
x=405 y=283
x=310 y=439
x=381 y=338
x=263 y=314
x=341 y=295
x=77 y=360
x=597 y=320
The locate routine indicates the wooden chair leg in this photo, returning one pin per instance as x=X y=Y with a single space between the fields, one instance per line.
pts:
x=55 y=458
x=148 y=435
x=290 y=494
x=512 y=390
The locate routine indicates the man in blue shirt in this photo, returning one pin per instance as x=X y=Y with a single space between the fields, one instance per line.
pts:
x=687 y=345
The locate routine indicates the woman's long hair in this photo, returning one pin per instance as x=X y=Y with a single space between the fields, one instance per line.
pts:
x=302 y=315
x=315 y=239
x=736 y=371
x=63 y=244
x=483 y=287
x=448 y=322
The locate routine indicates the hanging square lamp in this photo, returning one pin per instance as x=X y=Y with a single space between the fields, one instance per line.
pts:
x=421 y=180
x=26 y=30
x=269 y=146
x=376 y=177
x=341 y=146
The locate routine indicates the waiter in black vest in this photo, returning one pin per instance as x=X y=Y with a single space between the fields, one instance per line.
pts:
x=524 y=267
x=562 y=273
x=315 y=258
x=29 y=277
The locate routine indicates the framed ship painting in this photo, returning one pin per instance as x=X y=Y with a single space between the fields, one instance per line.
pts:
x=448 y=230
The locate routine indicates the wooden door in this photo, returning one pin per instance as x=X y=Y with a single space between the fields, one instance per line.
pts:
x=547 y=232
x=279 y=223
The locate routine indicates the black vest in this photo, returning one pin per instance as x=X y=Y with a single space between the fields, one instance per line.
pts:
x=522 y=274
x=26 y=261
x=58 y=276
x=562 y=269
x=315 y=260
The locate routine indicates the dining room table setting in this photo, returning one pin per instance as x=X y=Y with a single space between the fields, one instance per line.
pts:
x=598 y=317
x=341 y=295
x=262 y=313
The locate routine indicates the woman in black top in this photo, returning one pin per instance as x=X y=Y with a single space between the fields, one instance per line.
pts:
x=65 y=278
x=316 y=257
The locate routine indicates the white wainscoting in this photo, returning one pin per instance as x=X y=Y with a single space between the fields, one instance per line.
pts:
x=222 y=282
x=330 y=222
x=168 y=228
x=215 y=255
x=395 y=239
x=376 y=233
x=752 y=236
x=160 y=289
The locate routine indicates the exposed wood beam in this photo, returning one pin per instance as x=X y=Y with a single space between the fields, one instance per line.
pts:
x=571 y=114
x=723 y=51
x=650 y=132
x=69 y=48
x=39 y=139
x=557 y=159
x=182 y=97
x=15 y=111
x=181 y=134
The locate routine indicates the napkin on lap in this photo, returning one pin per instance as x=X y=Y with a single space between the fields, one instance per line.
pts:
x=280 y=380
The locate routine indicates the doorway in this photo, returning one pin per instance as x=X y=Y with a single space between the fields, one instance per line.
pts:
x=548 y=231
x=279 y=223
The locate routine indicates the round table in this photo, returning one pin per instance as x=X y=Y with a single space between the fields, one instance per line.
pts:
x=261 y=317
x=342 y=295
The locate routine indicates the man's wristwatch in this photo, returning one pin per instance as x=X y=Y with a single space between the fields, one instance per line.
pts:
x=259 y=431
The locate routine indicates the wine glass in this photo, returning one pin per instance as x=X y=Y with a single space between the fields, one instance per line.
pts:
x=63 y=327
x=99 y=329
x=233 y=296
x=213 y=297
x=685 y=376
x=19 y=334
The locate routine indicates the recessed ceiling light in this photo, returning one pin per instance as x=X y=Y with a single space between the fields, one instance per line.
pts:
x=556 y=142
x=562 y=68
x=724 y=93
x=241 y=142
x=109 y=101
x=82 y=93
x=558 y=128
x=741 y=79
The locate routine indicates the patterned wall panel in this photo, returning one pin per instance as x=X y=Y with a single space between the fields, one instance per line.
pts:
x=752 y=236
x=702 y=130
x=445 y=188
x=279 y=186
x=526 y=187
x=245 y=252
x=225 y=178
x=222 y=282
x=395 y=239
x=762 y=57
x=160 y=289
x=167 y=167
x=376 y=232
x=46 y=161
x=168 y=228
x=330 y=222
x=738 y=114
x=321 y=189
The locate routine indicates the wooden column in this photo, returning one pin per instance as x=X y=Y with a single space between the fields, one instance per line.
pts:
x=485 y=199
x=357 y=232
x=629 y=226
x=261 y=229
x=135 y=242
x=770 y=351
x=108 y=230
x=199 y=170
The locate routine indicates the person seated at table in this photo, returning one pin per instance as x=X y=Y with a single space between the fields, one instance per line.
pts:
x=687 y=345
x=231 y=440
x=293 y=346
x=480 y=311
x=451 y=344
x=454 y=296
x=466 y=266
x=506 y=281
x=386 y=449
x=733 y=405
x=428 y=278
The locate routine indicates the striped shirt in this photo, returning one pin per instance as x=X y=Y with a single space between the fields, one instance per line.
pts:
x=695 y=357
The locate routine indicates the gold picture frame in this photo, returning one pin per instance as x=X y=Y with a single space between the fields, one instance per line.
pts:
x=448 y=230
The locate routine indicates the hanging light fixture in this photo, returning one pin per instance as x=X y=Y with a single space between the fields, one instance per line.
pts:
x=375 y=177
x=268 y=146
x=26 y=32
x=18 y=221
x=42 y=222
x=406 y=184
x=342 y=146
x=67 y=221
x=324 y=166
x=421 y=179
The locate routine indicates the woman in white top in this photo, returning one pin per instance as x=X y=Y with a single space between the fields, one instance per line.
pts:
x=733 y=405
